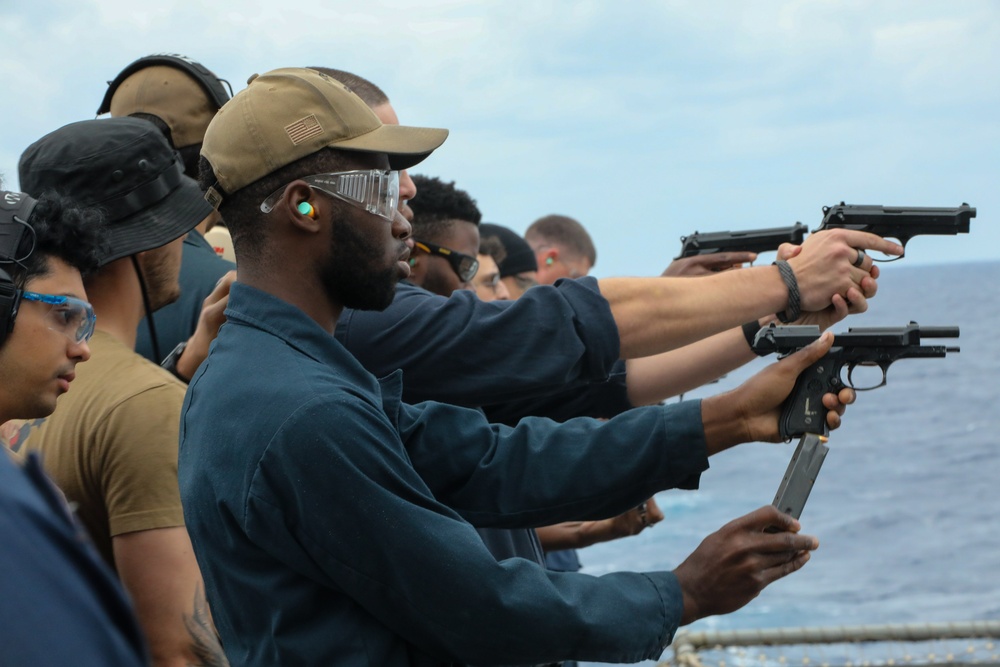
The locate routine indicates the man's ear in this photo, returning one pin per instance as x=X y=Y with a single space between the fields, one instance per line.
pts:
x=304 y=208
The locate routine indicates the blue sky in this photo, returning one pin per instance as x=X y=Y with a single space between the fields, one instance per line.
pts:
x=645 y=121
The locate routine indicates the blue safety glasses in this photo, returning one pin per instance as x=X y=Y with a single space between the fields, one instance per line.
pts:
x=74 y=318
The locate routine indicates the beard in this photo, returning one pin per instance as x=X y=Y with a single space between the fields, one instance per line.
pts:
x=350 y=273
x=161 y=278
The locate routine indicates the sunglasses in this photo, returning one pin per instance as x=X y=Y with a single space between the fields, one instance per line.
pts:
x=464 y=266
x=74 y=318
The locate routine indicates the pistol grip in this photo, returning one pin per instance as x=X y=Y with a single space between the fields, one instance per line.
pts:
x=803 y=411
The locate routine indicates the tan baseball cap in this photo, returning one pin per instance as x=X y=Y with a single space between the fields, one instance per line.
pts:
x=170 y=94
x=289 y=113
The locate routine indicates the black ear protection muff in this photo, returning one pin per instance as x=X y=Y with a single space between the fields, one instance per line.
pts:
x=209 y=82
x=15 y=211
x=10 y=298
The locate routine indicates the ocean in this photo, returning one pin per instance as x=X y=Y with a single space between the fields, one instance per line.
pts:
x=907 y=505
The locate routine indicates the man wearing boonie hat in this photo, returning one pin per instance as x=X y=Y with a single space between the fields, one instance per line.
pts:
x=111 y=445
x=180 y=97
x=333 y=522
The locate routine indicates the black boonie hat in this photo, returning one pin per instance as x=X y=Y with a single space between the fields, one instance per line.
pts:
x=126 y=168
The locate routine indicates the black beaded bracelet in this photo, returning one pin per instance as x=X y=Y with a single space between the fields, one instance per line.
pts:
x=794 y=308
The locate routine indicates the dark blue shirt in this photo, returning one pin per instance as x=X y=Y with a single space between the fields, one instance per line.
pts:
x=552 y=353
x=333 y=523
x=59 y=602
x=201 y=269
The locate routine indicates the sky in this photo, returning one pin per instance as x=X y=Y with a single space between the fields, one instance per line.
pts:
x=645 y=121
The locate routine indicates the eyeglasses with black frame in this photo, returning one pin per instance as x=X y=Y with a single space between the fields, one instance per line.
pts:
x=464 y=266
x=73 y=318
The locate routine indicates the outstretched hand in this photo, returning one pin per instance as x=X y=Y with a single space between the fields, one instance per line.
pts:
x=734 y=564
x=751 y=412
x=854 y=301
x=825 y=266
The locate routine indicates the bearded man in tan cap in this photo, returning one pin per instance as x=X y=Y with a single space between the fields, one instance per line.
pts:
x=333 y=522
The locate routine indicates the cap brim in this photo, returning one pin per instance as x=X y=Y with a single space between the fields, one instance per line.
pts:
x=406 y=146
x=168 y=219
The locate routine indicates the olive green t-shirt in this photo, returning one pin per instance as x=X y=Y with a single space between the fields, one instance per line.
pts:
x=111 y=444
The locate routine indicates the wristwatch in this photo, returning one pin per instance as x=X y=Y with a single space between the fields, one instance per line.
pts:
x=170 y=363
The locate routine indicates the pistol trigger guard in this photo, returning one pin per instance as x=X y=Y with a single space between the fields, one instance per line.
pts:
x=902 y=241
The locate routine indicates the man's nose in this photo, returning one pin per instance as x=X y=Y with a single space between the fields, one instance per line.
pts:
x=400 y=226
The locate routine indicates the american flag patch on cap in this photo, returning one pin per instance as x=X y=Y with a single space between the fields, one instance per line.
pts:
x=303 y=129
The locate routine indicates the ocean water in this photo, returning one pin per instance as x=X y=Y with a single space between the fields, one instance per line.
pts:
x=907 y=505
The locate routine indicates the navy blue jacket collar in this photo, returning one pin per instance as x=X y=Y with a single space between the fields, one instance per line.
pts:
x=252 y=307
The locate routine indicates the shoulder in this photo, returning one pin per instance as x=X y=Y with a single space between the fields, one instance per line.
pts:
x=124 y=373
x=117 y=378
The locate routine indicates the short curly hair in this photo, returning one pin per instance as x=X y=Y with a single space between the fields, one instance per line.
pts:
x=62 y=229
x=437 y=205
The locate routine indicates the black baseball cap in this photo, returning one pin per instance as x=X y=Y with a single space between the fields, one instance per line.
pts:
x=126 y=168
x=519 y=258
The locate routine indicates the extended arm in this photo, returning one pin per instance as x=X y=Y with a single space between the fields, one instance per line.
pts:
x=580 y=534
x=659 y=314
x=539 y=473
x=662 y=376
x=547 y=339
x=659 y=377
x=574 y=332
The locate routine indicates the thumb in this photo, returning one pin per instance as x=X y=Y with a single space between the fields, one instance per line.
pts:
x=788 y=250
x=810 y=354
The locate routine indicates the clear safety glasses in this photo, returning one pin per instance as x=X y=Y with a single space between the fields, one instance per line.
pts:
x=71 y=317
x=373 y=190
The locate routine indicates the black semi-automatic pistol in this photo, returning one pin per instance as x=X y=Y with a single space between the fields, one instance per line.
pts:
x=803 y=413
x=747 y=240
x=901 y=223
